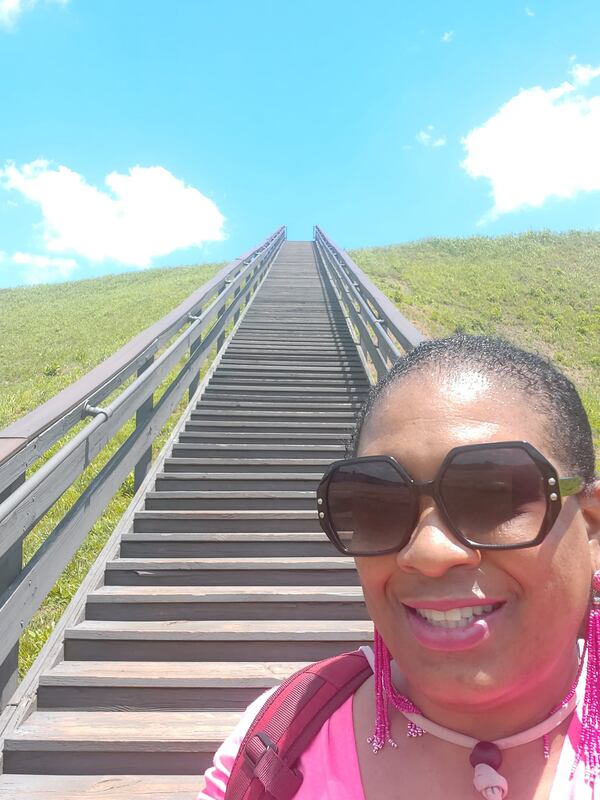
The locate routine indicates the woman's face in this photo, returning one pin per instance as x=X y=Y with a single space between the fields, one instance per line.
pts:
x=539 y=595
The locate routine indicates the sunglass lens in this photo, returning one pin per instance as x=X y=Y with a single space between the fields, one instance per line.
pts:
x=370 y=506
x=494 y=496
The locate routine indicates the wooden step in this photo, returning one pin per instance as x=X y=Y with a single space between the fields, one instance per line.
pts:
x=204 y=414
x=236 y=481
x=230 y=500
x=269 y=391
x=284 y=407
x=248 y=466
x=309 y=571
x=266 y=359
x=93 y=787
x=229 y=640
x=277 y=438
x=316 y=371
x=117 y=742
x=225 y=545
x=292 y=381
x=158 y=686
x=227 y=521
x=225 y=602
x=252 y=425
x=330 y=452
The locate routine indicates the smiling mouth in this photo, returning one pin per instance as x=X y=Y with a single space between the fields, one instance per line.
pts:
x=454 y=617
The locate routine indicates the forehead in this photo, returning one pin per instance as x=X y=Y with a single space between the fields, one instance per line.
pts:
x=420 y=418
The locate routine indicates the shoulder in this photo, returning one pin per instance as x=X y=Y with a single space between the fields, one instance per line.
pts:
x=216 y=776
x=335 y=728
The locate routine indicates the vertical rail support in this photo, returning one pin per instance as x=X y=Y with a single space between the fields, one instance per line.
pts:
x=11 y=565
x=142 y=415
x=221 y=339
x=193 y=347
x=236 y=316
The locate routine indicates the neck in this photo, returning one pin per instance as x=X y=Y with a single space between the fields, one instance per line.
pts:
x=502 y=716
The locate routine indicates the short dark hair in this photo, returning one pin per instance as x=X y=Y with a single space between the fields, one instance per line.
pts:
x=566 y=421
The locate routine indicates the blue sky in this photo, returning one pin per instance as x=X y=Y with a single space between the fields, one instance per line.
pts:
x=137 y=133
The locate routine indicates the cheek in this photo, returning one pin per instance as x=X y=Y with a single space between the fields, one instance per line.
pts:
x=375 y=573
x=556 y=577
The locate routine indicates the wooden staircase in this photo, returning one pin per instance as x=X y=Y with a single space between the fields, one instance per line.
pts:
x=225 y=584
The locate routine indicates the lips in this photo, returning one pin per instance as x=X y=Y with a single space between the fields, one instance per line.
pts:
x=453 y=624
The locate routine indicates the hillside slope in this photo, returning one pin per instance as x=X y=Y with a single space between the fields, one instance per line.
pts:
x=539 y=290
x=50 y=335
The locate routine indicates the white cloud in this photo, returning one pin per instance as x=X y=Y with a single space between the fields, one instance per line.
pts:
x=43 y=269
x=529 y=12
x=542 y=143
x=582 y=74
x=32 y=260
x=11 y=10
x=447 y=37
x=145 y=214
x=429 y=138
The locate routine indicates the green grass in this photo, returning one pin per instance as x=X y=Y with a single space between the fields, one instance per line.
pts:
x=539 y=290
x=52 y=335
x=49 y=337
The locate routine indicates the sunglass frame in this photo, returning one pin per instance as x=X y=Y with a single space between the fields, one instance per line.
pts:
x=432 y=488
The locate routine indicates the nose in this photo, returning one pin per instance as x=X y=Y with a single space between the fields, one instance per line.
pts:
x=433 y=549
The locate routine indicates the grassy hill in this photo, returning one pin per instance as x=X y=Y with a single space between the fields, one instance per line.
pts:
x=49 y=337
x=540 y=290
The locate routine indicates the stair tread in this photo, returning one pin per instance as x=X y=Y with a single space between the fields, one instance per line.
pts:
x=199 y=514
x=229 y=594
x=223 y=630
x=233 y=476
x=108 y=787
x=216 y=674
x=113 y=730
x=279 y=563
x=187 y=536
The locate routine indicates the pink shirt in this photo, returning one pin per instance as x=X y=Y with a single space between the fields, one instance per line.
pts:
x=330 y=763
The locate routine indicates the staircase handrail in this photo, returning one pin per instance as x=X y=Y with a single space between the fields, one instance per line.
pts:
x=381 y=331
x=49 y=422
x=193 y=330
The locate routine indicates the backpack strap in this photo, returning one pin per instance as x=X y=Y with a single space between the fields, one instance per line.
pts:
x=264 y=768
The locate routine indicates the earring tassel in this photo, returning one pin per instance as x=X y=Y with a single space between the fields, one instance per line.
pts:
x=588 y=749
x=384 y=692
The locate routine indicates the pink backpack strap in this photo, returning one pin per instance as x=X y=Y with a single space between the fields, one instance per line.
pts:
x=264 y=768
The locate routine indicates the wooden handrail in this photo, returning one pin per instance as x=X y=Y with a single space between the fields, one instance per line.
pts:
x=43 y=424
x=195 y=327
x=383 y=332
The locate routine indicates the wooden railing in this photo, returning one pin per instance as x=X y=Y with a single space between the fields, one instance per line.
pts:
x=380 y=330
x=129 y=379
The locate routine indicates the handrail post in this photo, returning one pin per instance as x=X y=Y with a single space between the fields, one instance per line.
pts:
x=11 y=565
x=236 y=316
x=193 y=347
x=221 y=339
x=142 y=416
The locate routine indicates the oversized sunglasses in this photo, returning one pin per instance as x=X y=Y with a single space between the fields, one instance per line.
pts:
x=495 y=496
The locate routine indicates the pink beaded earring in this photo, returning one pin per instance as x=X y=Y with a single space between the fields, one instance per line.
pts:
x=588 y=749
x=384 y=691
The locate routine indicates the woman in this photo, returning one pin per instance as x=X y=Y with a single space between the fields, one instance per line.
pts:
x=473 y=512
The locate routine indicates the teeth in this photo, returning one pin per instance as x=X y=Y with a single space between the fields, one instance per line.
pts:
x=454 y=617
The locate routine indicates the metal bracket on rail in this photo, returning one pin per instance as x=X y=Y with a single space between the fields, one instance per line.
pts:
x=95 y=411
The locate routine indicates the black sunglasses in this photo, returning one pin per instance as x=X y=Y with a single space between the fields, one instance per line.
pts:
x=495 y=496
